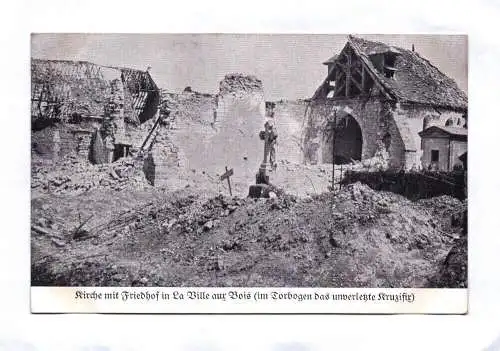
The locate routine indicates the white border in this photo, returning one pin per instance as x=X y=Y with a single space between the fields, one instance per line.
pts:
x=475 y=331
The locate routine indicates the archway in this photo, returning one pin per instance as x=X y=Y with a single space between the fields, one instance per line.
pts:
x=348 y=142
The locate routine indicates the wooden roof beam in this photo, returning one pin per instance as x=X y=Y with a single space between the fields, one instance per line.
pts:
x=368 y=69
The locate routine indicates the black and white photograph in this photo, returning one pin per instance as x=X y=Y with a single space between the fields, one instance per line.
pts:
x=249 y=160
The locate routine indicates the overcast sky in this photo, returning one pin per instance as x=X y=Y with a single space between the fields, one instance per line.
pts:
x=290 y=66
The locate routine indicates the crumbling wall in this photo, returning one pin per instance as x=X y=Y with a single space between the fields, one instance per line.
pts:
x=233 y=140
x=189 y=106
x=209 y=132
x=162 y=159
x=59 y=140
x=236 y=143
x=289 y=122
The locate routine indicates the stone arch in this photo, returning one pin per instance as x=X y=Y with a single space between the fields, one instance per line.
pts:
x=349 y=140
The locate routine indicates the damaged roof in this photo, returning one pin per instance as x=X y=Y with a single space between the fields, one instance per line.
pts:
x=81 y=87
x=415 y=80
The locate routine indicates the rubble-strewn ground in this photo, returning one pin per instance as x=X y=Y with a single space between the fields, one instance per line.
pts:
x=73 y=175
x=357 y=238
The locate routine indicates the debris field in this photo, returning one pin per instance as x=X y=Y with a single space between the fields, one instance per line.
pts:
x=356 y=238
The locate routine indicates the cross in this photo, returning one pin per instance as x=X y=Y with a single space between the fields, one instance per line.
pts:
x=267 y=134
x=227 y=176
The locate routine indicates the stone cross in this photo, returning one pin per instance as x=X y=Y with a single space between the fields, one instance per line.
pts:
x=265 y=135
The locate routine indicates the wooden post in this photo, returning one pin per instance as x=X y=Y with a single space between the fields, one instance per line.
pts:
x=227 y=175
x=363 y=78
x=157 y=122
x=341 y=175
x=229 y=184
x=348 y=75
x=334 y=134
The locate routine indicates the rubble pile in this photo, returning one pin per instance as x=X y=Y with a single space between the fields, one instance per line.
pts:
x=397 y=218
x=202 y=218
x=356 y=238
x=448 y=213
x=450 y=216
x=453 y=270
x=237 y=82
x=76 y=175
x=379 y=162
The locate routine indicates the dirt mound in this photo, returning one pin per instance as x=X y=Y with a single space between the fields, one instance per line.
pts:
x=357 y=238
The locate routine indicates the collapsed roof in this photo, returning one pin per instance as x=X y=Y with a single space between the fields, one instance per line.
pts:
x=61 y=89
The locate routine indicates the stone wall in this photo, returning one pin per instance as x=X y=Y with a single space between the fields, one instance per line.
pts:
x=413 y=185
x=53 y=143
x=289 y=124
x=205 y=133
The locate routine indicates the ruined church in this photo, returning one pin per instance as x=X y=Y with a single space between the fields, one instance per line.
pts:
x=379 y=96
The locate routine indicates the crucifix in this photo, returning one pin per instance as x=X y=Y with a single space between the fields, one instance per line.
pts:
x=262 y=186
x=269 y=138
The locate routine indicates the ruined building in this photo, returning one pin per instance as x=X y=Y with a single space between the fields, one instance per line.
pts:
x=381 y=96
x=89 y=110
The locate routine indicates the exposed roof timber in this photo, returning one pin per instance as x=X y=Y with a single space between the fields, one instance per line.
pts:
x=365 y=62
x=370 y=69
x=418 y=80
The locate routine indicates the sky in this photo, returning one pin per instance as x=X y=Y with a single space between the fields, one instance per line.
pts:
x=289 y=65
